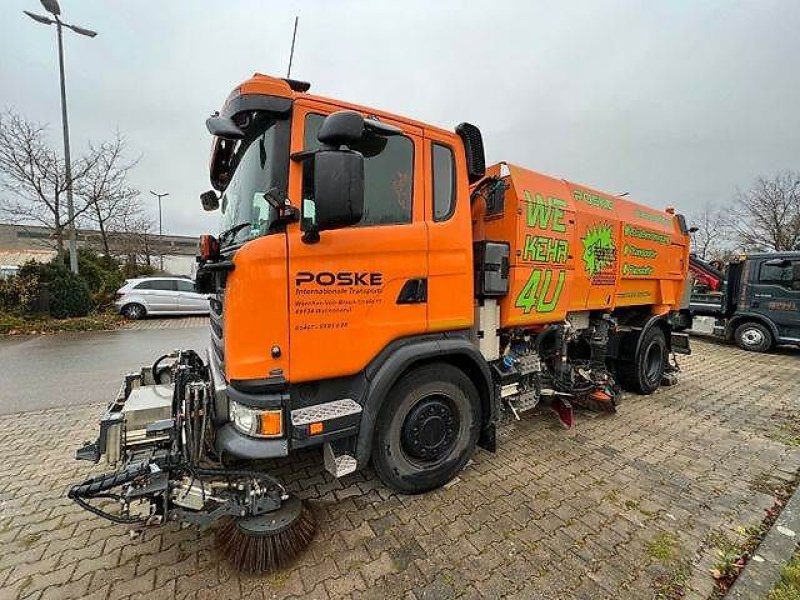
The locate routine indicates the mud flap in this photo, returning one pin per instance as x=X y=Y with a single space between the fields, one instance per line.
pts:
x=564 y=411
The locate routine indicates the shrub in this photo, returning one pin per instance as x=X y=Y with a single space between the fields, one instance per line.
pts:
x=68 y=294
x=102 y=274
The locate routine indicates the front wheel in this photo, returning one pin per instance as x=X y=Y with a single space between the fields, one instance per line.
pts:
x=753 y=337
x=134 y=311
x=427 y=429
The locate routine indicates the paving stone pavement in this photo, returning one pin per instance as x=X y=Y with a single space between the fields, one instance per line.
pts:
x=176 y=322
x=622 y=506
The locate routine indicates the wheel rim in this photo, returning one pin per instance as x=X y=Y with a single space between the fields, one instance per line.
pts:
x=653 y=362
x=752 y=337
x=430 y=428
x=134 y=312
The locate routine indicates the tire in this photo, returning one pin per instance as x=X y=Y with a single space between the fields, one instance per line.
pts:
x=427 y=429
x=134 y=311
x=644 y=375
x=753 y=337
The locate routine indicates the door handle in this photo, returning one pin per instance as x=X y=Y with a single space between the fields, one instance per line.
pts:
x=414 y=291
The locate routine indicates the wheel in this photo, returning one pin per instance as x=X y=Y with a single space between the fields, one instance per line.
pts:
x=753 y=336
x=427 y=429
x=644 y=374
x=134 y=311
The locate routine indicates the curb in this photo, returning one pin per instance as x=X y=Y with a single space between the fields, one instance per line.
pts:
x=763 y=570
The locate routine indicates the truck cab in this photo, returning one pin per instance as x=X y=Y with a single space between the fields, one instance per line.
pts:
x=340 y=304
x=757 y=303
x=767 y=305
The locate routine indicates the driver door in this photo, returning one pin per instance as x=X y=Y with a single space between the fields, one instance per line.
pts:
x=360 y=287
x=776 y=294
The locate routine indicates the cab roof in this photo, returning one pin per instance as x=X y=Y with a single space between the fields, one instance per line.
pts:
x=295 y=90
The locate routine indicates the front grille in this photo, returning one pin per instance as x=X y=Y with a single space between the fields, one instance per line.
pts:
x=216 y=320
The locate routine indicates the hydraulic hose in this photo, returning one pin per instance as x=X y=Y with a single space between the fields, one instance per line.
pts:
x=107 y=481
x=99 y=486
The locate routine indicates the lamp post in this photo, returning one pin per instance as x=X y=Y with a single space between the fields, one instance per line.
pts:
x=54 y=9
x=160 y=232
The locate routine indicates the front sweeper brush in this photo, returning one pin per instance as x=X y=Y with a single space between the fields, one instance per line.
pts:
x=159 y=432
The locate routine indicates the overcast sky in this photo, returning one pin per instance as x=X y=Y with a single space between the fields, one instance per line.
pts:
x=678 y=102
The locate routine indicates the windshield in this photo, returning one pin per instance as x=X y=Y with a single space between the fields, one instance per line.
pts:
x=242 y=204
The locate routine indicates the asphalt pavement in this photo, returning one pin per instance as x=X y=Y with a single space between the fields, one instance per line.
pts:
x=38 y=372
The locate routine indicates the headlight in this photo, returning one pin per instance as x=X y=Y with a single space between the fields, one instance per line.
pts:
x=254 y=422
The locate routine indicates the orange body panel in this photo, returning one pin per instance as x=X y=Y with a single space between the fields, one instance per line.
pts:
x=576 y=249
x=255 y=313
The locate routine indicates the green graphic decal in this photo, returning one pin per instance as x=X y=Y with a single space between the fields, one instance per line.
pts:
x=539 y=293
x=631 y=250
x=593 y=199
x=600 y=254
x=637 y=270
x=539 y=248
x=654 y=217
x=646 y=234
x=545 y=213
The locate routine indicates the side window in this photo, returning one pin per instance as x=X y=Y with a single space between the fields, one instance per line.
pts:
x=388 y=174
x=444 y=182
x=157 y=284
x=787 y=275
x=185 y=286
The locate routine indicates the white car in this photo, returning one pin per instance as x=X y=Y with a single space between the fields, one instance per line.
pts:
x=139 y=298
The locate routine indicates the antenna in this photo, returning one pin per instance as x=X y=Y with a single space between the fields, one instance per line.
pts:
x=291 y=53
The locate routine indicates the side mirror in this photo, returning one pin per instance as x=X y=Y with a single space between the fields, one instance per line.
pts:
x=209 y=200
x=347 y=127
x=344 y=127
x=338 y=198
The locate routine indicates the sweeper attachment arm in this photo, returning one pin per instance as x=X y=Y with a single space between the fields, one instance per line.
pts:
x=159 y=433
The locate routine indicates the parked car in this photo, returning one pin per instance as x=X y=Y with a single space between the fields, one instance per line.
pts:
x=145 y=296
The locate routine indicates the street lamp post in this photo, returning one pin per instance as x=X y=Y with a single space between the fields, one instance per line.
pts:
x=54 y=9
x=160 y=231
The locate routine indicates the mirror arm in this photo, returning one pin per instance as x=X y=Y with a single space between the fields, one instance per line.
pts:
x=310 y=236
x=302 y=155
x=378 y=127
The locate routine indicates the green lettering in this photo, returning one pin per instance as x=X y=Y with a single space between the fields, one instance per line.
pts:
x=528 y=251
x=538 y=212
x=558 y=214
x=534 y=293
x=549 y=305
x=526 y=299
x=561 y=255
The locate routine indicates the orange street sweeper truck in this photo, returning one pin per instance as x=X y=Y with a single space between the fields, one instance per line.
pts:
x=377 y=292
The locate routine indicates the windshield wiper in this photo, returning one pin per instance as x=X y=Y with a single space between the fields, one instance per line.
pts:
x=232 y=231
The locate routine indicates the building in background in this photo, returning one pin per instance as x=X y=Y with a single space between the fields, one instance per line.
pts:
x=22 y=243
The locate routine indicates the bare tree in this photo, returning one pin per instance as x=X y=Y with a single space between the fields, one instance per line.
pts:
x=768 y=214
x=132 y=233
x=114 y=203
x=712 y=238
x=34 y=178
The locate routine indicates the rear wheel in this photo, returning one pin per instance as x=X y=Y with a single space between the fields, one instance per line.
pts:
x=427 y=429
x=134 y=311
x=753 y=337
x=644 y=374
